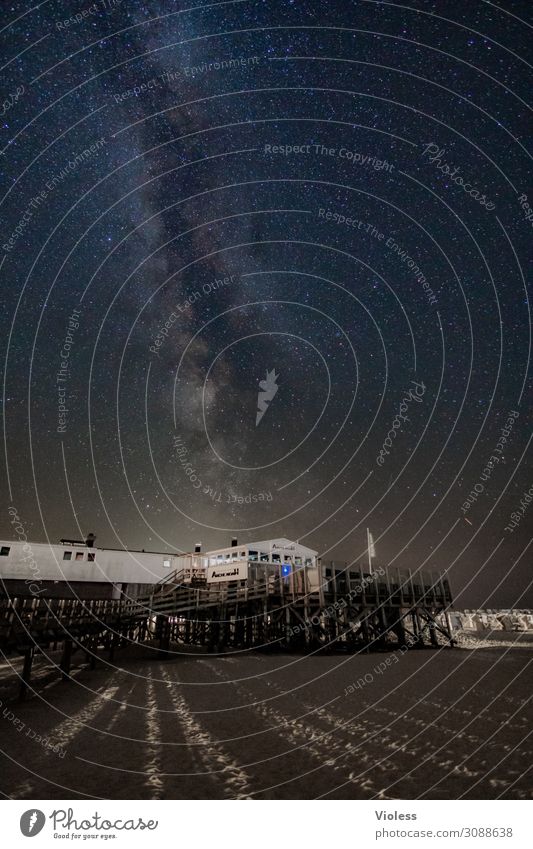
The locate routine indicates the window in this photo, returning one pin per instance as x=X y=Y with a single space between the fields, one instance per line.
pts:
x=67 y=555
x=298 y=561
x=263 y=557
x=220 y=557
x=90 y=556
x=276 y=558
x=234 y=555
x=328 y=573
x=243 y=554
x=166 y=564
x=252 y=555
x=79 y=555
x=4 y=551
x=308 y=561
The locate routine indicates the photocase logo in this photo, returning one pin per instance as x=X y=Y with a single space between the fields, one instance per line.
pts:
x=32 y=822
x=268 y=389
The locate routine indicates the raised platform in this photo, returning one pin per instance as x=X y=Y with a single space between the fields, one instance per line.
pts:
x=348 y=612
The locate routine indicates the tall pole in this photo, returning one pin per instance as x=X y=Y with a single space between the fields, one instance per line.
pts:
x=369 y=548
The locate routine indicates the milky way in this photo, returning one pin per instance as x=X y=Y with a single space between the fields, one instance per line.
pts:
x=319 y=211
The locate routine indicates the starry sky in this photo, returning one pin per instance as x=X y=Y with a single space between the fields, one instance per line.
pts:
x=195 y=194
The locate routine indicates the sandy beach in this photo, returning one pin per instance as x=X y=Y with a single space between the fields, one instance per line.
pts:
x=442 y=724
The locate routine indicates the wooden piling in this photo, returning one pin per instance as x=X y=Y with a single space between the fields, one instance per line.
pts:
x=66 y=660
x=26 y=673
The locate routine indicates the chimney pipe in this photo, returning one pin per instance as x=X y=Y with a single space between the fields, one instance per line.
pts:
x=89 y=542
x=198 y=548
x=234 y=542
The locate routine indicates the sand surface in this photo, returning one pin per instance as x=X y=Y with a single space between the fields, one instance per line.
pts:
x=430 y=724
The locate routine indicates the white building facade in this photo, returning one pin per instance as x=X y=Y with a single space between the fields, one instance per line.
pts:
x=75 y=569
x=78 y=569
x=267 y=560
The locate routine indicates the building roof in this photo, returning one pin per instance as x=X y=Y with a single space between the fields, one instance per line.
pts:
x=281 y=543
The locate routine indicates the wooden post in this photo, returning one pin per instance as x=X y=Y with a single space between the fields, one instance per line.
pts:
x=264 y=636
x=221 y=613
x=111 y=647
x=26 y=673
x=93 y=648
x=450 y=629
x=164 y=636
x=433 y=634
x=288 y=626
x=307 y=636
x=66 y=659
x=365 y=629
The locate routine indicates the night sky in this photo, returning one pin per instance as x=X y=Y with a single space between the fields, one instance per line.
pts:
x=335 y=193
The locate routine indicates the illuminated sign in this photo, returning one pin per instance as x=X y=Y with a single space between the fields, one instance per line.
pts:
x=229 y=572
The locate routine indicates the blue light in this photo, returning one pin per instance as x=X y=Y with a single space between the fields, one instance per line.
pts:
x=285 y=570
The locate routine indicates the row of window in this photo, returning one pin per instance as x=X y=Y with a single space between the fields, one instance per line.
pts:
x=261 y=557
x=233 y=556
x=80 y=555
x=67 y=555
x=264 y=557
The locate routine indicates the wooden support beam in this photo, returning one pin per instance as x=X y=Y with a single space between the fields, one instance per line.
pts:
x=26 y=673
x=66 y=660
x=111 y=647
x=93 y=649
x=164 y=636
x=433 y=634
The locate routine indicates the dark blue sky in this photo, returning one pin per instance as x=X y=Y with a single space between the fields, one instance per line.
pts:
x=194 y=196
